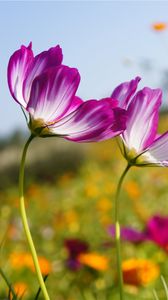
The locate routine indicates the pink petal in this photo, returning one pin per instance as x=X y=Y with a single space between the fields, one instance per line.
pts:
x=47 y=59
x=142 y=119
x=17 y=67
x=118 y=126
x=124 y=91
x=52 y=93
x=129 y=234
x=92 y=121
x=76 y=102
x=156 y=230
x=158 y=151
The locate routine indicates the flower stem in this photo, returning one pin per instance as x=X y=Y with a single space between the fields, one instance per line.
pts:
x=25 y=222
x=117 y=232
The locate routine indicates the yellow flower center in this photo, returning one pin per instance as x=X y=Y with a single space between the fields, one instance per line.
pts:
x=40 y=128
x=135 y=158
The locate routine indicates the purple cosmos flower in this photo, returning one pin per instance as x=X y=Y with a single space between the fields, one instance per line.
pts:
x=128 y=234
x=156 y=230
x=74 y=248
x=46 y=89
x=142 y=144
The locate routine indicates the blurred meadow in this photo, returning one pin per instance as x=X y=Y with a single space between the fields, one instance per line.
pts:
x=69 y=201
x=70 y=188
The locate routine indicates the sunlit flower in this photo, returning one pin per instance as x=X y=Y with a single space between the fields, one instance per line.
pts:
x=139 y=272
x=142 y=145
x=46 y=90
x=24 y=260
x=94 y=260
x=159 y=26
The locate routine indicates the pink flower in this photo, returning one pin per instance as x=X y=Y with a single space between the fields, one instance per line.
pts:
x=46 y=89
x=142 y=144
x=156 y=230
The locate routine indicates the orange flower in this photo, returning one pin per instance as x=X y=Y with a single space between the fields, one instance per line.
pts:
x=92 y=190
x=45 y=266
x=132 y=189
x=159 y=26
x=104 y=204
x=13 y=232
x=20 y=288
x=24 y=260
x=139 y=272
x=94 y=260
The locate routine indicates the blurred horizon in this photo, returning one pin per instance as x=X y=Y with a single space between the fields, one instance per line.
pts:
x=109 y=42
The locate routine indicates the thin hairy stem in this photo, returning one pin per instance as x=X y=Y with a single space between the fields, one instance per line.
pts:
x=117 y=232
x=25 y=222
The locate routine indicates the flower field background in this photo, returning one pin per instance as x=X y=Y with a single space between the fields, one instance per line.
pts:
x=69 y=200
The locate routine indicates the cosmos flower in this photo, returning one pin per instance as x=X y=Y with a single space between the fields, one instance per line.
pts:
x=79 y=255
x=156 y=231
x=139 y=272
x=46 y=90
x=74 y=248
x=141 y=143
x=128 y=234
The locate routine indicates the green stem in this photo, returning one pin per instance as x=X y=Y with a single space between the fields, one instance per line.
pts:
x=25 y=222
x=117 y=232
x=8 y=283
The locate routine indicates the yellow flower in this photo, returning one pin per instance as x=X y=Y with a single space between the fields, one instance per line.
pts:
x=104 y=204
x=24 y=260
x=94 y=260
x=33 y=190
x=105 y=220
x=91 y=190
x=139 y=272
x=19 y=260
x=65 y=178
x=132 y=189
x=159 y=26
x=70 y=217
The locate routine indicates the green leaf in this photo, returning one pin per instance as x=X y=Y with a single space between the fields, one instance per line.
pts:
x=11 y=290
x=165 y=286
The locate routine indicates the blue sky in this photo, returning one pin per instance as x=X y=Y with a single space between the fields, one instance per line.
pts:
x=107 y=41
